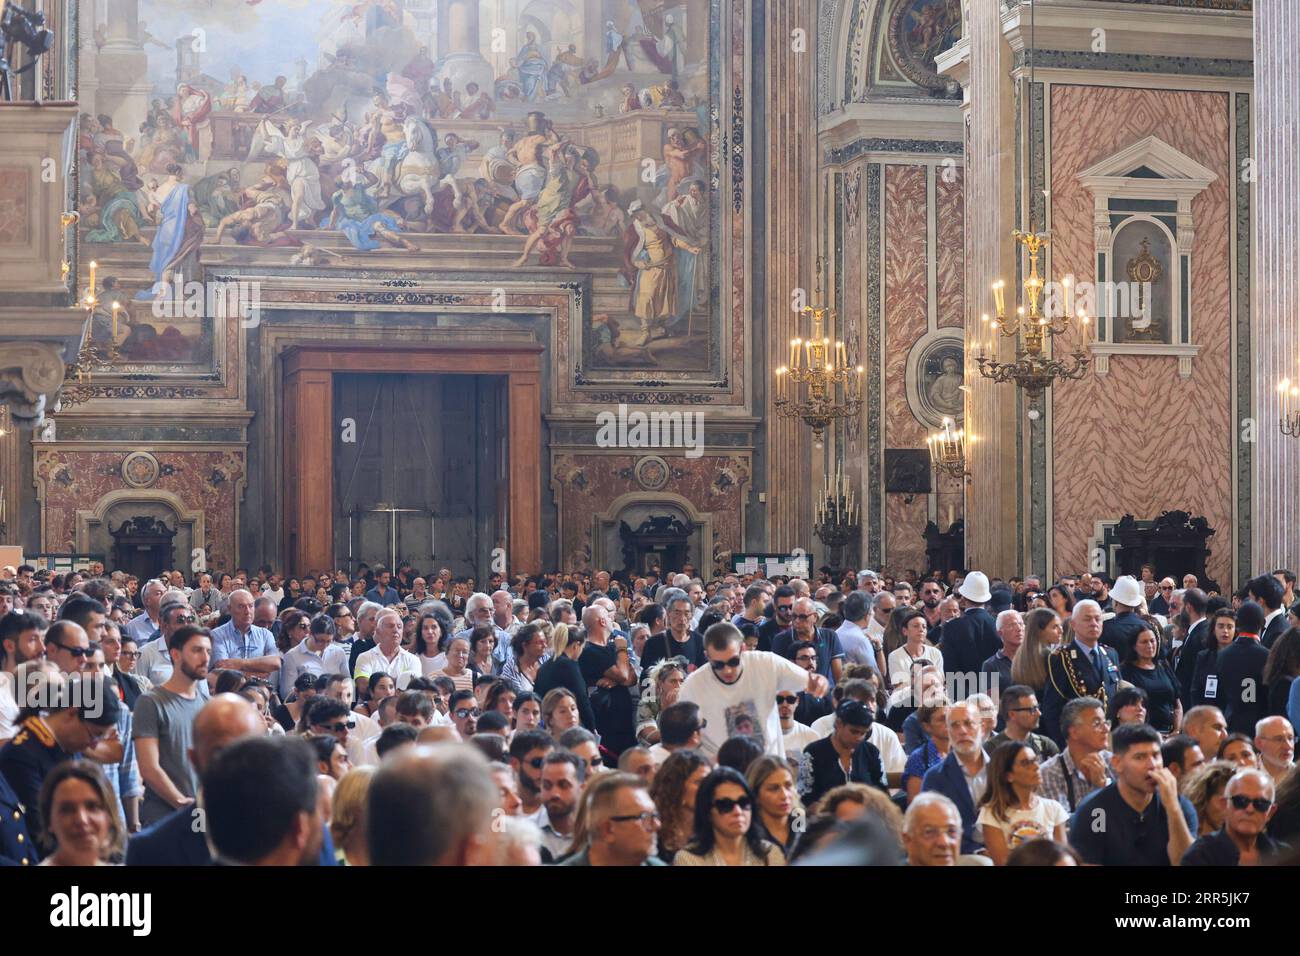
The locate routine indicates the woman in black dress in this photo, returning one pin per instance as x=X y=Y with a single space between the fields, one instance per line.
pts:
x=1205 y=681
x=1143 y=668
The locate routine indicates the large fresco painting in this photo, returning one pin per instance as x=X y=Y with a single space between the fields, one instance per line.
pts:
x=566 y=136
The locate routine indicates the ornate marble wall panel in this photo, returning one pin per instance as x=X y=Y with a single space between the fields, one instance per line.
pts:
x=1143 y=439
x=210 y=481
x=714 y=486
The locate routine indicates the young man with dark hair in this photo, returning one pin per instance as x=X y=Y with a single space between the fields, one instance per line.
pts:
x=1266 y=591
x=1021 y=715
x=1140 y=819
x=1181 y=754
x=21 y=640
x=528 y=752
x=164 y=722
x=563 y=775
x=261 y=803
x=822 y=762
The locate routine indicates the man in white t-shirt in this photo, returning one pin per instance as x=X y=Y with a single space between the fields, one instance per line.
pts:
x=734 y=691
x=797 y=735
x=388 y=657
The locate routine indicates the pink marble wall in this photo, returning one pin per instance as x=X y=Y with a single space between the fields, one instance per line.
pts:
x=585 y=484
x=1142 y=439
x=207 y=481
x=950 y=229
x=905 y=304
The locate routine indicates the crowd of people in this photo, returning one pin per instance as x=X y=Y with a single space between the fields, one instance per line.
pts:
x=587 y=720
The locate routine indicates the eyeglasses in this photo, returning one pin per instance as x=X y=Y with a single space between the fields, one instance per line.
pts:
x=805 y=617
x=784 y=608
x=1261 y=804
x=340 y=726
x=1026 y=710
x=463 y=712
x=130 y=655
x=787 y=699
x=537 y=762
x=77 y=652
x=645 y=819
x=719 y=665
x=1166 y=587
x=725 y=805
x=596 y=761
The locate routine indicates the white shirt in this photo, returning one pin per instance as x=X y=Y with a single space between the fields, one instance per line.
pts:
x=893 y=758
x=1040 y=820
x=8 y=706
x=155 y=662
x=659 y=754
x=858 y=648
x=900 y=663
x=799 y=736
x=752 y=697
x=401 y=668
x=875 y=630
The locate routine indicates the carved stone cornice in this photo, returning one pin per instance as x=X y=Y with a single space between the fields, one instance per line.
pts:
x=35 y=347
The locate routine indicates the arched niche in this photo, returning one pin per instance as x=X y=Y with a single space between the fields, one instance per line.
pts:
x=93 y=525
x=636 y=507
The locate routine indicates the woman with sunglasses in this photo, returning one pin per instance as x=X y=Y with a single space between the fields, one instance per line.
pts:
x=725 y=833
x=1011 y=812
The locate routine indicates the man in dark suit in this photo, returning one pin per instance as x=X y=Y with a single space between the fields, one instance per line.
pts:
x=971 y=639
x=1122 y=630
x=1266 y=591
x=1082 y=668
x=1199 y=631
x=965 y=763
x=1241 y=694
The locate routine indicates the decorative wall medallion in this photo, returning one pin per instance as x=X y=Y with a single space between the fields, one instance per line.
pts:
x=919 y=30
x=140 y=469
x=935 y=377
x=651 y=472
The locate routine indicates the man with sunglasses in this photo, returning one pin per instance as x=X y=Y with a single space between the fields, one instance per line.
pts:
x=782 y=618
x=1242 y=841
x=464 y=713
x=331 y=716
x=734 y=686
x=68 y=647
x=155 y=661
x=528 y=750
x=830 y=653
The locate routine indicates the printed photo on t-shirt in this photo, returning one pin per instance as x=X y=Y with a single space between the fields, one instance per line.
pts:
x=742 y=720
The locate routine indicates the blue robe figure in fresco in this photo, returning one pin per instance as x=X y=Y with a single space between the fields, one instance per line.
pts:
x=356 y=214
x=180 y=231
x=531 y=63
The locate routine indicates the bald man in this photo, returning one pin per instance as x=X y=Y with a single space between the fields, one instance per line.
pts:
x=177 y=839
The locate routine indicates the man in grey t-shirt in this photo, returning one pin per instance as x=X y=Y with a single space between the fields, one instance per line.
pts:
x=164 y=723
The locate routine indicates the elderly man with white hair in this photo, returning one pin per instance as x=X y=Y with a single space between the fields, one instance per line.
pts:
x=1275 y=741
x=962 y=777
x=1011 y=631
x=482 y=609
x=1242 y=841
x=868 y=581
x=932 y=833
x=1082 y=668
x=146 y=624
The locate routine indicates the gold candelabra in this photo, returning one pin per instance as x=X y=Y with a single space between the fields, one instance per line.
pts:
x=1033 y=370
x=948 y=451
x=90 y=356
x=1289 y=420
x=822 y=382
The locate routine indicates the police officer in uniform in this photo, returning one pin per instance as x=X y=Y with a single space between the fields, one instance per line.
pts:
x=15 y=842
x=1082 y=668
x=78 y=715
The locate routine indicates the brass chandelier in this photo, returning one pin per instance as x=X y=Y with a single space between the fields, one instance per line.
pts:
x=822 y=382
x=1034 y=369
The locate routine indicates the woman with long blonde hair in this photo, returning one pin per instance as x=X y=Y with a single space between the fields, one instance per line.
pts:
x=1043 y=633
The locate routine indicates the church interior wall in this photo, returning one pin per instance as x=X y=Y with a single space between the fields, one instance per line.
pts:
x=1150 y=440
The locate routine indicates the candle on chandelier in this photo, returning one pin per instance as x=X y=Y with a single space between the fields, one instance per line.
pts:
x=93 y=267
x=1284 y=387
x=998 y=301
x=794 y=353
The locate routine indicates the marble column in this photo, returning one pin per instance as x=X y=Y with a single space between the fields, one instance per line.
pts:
x=1276 y=327
x=122 y=68
x=789 y=154
x=982 y=63
x=460 y=53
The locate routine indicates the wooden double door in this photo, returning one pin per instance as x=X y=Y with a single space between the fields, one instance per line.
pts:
x=420 y=470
